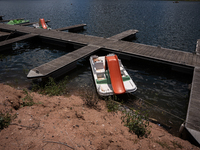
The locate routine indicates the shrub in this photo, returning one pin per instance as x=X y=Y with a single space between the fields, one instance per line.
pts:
x=112 y=106
x=27 y=100
x=90 y=98
x=5 y=119
x=136 y=122
x=50 y=87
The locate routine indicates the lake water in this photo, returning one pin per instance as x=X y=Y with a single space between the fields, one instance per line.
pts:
x=160 y=23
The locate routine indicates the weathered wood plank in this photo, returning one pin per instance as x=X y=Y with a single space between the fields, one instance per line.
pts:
x=124 y=35
x=193 y=119
x=198 y=47
x=31 y=23
x=72 y=28
x=4 y=34
x=17 y=39
x=61 y=65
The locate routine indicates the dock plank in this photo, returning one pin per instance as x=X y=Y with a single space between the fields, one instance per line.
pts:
x=192 y=119
x=74 y=27
x=60 y=63
x=31 y=23
x=123 y=35
x=198 y=47
x=17 y=39
x=4 y=34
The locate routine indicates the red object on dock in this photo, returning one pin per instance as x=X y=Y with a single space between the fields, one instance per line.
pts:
x=115 y=74
x=42 y=23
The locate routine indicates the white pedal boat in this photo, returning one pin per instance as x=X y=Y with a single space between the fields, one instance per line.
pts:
x=110 y=76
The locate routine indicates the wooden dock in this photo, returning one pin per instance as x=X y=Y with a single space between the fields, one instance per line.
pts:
x=126 y=35
x=31 y=23
x=6 y=44
x=198 y=47
x=63 y=64
x=4 y=35
x=193 y=119
x=73 y=28
x=91 y=44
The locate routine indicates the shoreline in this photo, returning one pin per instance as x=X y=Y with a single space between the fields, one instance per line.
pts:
x=58 y=122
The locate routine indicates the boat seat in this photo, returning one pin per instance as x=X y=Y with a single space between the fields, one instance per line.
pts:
x=99 y=68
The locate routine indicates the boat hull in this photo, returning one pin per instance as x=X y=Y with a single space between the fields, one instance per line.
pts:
x=102 y=79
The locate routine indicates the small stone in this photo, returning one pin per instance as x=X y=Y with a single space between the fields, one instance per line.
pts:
x=77 y=125
x=6 y=137
x=52 y=136
x=19 y=128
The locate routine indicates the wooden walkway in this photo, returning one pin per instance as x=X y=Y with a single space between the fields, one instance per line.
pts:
x=114 y=44
x=63 y=64
x=3 y=34
x=129 y=34
x=6 y=44
x=31 y=23
x=198 y=47
x=72 y=28
x=193 y=119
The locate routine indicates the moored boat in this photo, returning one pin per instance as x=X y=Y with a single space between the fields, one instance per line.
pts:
x=110 y=76
x=41 y=24
x=16 y=21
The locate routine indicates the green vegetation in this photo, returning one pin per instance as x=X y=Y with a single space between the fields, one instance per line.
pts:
x=90 y=98
x=5 y=119
x=136 y=122
x=50 y=87
x=27 y=100
x=112 y=106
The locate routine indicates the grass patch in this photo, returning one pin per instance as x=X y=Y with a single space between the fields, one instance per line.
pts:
x=112 y=106
x=136 y=122
x=111 y=103
x=27 y=100
x=5 y=119
x=50 y=87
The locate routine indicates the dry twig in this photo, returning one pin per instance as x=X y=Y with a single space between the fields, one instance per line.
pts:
x=58 y=143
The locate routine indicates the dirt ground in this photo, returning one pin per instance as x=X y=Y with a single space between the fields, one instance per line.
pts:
x=60 y=122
